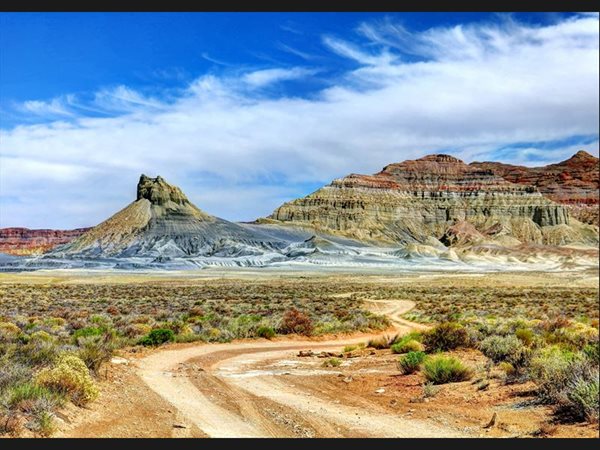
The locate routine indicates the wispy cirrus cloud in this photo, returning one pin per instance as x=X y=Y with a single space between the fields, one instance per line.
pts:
x=477 y=91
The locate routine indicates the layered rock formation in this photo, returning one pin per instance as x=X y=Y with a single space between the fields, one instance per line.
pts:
x=436 y=196
x=163 y=223
x=574 y=182
x=23 y=241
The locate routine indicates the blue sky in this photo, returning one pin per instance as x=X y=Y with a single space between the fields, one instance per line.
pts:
x=247 y=110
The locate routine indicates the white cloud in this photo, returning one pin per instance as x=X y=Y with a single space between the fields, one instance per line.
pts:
x=473 y=90
x=58 y=106
x=260 y=78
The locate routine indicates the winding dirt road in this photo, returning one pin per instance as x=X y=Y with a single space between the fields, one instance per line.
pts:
x=245 y=390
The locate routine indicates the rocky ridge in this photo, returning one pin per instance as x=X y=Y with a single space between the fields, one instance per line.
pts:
x=574 y=182
x=416 y=200
x=23 y=241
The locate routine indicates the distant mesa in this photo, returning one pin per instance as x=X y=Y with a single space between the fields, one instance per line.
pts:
x=434 y=206
x=574 y=182
x=23 y=241
x=415 y=200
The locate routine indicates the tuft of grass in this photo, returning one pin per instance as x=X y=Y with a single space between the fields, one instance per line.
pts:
x=349 y=348
x=405 y=346
x=411 y=362
x=442 y=369
x=381 y=343
x=332 y=362
x=430 y=390
x=265 y=332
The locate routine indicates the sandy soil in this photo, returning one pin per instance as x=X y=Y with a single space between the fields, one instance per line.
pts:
x=261 y=388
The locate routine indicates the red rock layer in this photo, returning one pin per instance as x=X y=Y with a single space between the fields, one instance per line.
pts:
x=574 y=182
x=23 y=241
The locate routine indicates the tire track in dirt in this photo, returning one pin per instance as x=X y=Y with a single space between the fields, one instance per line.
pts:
x=238 y=403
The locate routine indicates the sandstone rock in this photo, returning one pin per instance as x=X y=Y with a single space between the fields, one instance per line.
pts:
x=23 y=241
x=437 y=197
x=574 y=182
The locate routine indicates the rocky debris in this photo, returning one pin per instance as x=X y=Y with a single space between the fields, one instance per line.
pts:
x=119 y=360
x=305 y=353
x=330 y=355
x=23 y=241
x=574 y=182
x=492 y=421
x=436 y=197
x=180 y=425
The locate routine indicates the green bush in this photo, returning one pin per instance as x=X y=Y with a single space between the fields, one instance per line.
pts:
x=592 y=351
x=411 y=362
x=407 y=346
x=505 y=348
x=87 y=332
x=158 y=337
x=265 y=332
x=441 y=369
x=525 y=335
x=446 y=336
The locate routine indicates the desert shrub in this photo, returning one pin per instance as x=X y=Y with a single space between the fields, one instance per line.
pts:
x=411 y=362
x=20 y=395
x=39 y=352
x=95 y=350
x=550 y=369
x=135 y=330
x=157 y=337
x=69 y=377
x=9 y=332
x=505 y=348
x=575 y=336
x=381 y=342
x=582 y=394
x=445 y=336
x=332 y=362
x=87 y=332
x=295 y=321
x=441 y=369
x=407 y=346
x=244 y=326
x=525 y=335
x=265 y=331
x=43 y=422
x=592 y=351
x=430 y=390
x=13 y=372
x=349 y=348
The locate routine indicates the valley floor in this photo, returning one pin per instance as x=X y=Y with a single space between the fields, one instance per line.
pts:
x=265 y=388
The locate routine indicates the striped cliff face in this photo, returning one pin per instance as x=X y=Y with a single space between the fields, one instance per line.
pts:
x=574 y=182
x=418 y=199
x=23 y=241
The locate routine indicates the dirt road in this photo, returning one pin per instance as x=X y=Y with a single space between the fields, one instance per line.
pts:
x=245 y=390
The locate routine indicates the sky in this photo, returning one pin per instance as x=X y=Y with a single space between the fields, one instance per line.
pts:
x=245 y=111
